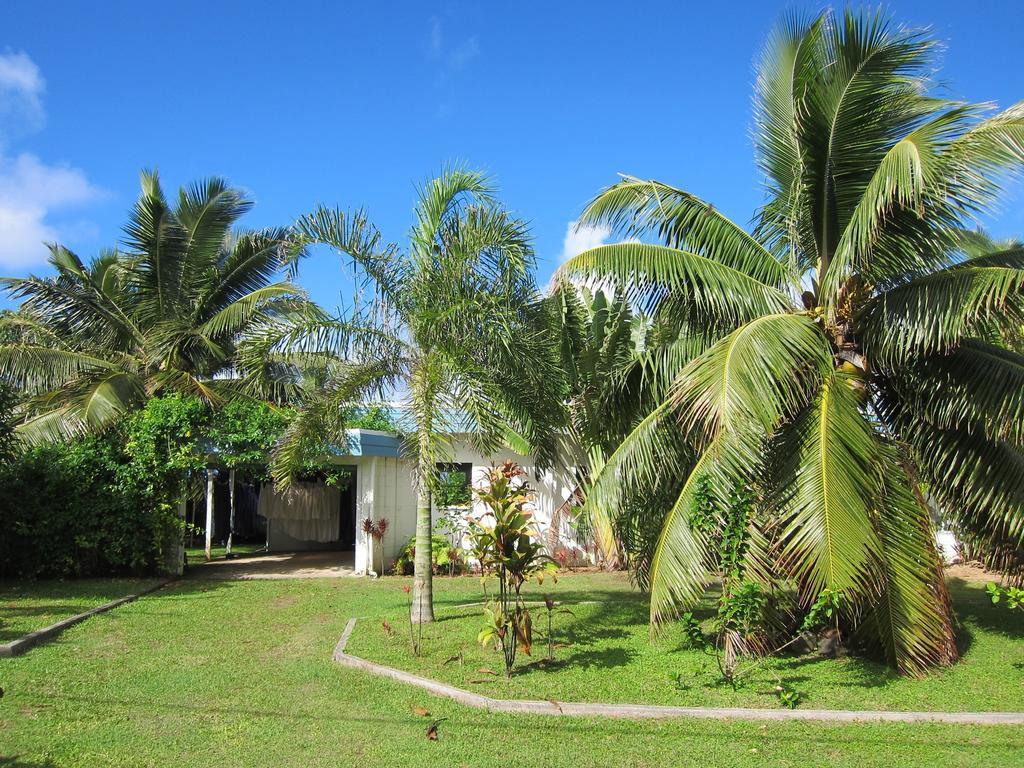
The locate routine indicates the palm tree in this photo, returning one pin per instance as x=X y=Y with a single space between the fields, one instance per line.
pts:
x=843 y=354
x=163 y=315
x=454 y=326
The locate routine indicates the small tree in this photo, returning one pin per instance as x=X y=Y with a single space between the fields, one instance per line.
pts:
x=510 y=549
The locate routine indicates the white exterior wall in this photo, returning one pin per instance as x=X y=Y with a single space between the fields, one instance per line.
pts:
x=385 y=490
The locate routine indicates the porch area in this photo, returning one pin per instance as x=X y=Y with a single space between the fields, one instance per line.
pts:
x=323 y=564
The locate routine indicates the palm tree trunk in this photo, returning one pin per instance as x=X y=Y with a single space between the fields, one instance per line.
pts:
x=422 y=608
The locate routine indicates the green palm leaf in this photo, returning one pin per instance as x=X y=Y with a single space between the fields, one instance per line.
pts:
x=706 y=287
x=685 y=222
x=761 y=373
x=935 y=313
x=679 y=569
x=829 y=489
x=911 y=617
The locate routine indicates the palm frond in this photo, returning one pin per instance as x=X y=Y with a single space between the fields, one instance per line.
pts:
x=159 y=242
x=905 y=181
x=790 y=61
x=912 y=617
x=440 y=200
x=679 y=568
x=683 y=221
x=829 y=490
x=36 y=369
x=352 y=234
x=978 y=482
x=765 y=371
x=655 y=449
x=650 y=274
x=976 y=385
x=245 y=311
x=935 y=313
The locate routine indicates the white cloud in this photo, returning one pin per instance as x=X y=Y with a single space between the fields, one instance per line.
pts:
x=580 y=238
x=450 y=59
x=435 y=45
x=464 y=53
x=30 y=192
x=21 y=92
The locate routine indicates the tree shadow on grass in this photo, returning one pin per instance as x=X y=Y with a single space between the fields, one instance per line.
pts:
x=974 y=607
x=604 y=658
x=48 y=614
x=18 y=762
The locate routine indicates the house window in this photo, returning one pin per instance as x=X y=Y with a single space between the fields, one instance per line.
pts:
x=454 y=486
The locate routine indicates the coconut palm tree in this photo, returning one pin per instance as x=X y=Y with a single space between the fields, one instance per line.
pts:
x=165 y=314
x=844 y=353
x=453 y=326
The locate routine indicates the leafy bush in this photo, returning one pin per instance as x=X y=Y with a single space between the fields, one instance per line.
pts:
x=443 y=556
x=102 y=505
x=78 y=510
x=108 y=505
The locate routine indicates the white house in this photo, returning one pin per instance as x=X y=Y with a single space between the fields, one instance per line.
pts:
x=315 y=516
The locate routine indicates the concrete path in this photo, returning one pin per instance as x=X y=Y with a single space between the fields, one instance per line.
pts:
x=273 y=565
x=652 y=712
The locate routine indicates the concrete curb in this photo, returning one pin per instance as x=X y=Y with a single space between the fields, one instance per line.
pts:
x=658 y=712
x=25 y=642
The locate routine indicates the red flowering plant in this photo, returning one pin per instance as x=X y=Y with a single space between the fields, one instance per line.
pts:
x=376 y=531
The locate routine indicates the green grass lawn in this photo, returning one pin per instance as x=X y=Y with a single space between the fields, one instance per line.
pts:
x=26 y=606
x=604 y=653
x=239 y=674
x=198 y=554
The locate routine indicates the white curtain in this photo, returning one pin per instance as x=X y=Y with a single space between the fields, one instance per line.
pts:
x=305 y=511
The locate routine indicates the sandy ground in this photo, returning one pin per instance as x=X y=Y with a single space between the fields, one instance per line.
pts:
x=333 y=565
x=278 y=565
x=972 y=572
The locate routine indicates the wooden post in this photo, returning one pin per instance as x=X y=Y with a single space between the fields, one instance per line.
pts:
x=231 y=516
x=209 y=513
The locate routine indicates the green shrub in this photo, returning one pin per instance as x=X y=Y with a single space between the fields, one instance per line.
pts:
x=102 y=505
x=78 y=510
x=443 y=556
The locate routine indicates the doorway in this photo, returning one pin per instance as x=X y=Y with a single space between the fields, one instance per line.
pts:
x=347 y=512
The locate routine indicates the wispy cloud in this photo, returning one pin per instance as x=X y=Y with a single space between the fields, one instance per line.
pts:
x=435 y=42
x=31 y=190
x=21 y=95
x=451 y=57
x=463 y=53
x=580 y=238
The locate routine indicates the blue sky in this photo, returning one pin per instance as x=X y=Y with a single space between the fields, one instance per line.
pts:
x=355 y=103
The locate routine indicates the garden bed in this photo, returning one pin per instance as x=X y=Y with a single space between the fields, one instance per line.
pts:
x=603 y=653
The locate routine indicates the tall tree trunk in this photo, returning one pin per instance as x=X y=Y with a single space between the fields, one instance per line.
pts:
x=209 y=513
x=175 y=560
x=231 y=518
x=422 y=608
